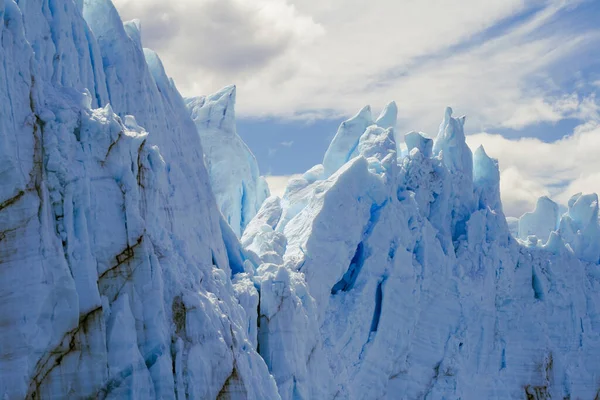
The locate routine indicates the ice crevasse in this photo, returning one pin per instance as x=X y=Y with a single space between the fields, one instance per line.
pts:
x=131 y=268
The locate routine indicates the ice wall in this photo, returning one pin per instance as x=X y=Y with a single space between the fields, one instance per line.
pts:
x=115 y=272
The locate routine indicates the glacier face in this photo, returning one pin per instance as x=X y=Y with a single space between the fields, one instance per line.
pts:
x=115 y=267
x=374 y=276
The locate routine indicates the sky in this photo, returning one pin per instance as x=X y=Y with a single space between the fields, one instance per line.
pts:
x=526 y=74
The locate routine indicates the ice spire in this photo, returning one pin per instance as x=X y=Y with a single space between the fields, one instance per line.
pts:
x=217 y=111
x=133 y=29
x=452 y=142
x=451 y=145
x=388 y=116
x=157 y=70
x=343 y=146
x=233 y=170
x=486 y=178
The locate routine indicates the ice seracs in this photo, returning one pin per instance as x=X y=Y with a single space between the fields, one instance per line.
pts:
x=451 y=147
x=233 y=170
x=344 y=145
x=579 y=227
x=577 y=230
x=370 y=288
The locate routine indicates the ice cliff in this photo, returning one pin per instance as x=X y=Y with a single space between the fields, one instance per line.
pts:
x=374 y=276
x=116 y=264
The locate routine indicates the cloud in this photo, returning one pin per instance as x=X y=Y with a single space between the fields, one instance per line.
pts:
x=540 y=109
x=219 y=39
x=588 y=182
x=531 y=168
x=519 y=192
x=277 y=183
x=314 y=58
x=287 y=144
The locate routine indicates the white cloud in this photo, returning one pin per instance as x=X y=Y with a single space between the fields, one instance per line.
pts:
x=277 y=183
x=541 y=110
x=588 y=182
x=519 y=192
x=315 y=58
x=531 y=168
x=210 y=42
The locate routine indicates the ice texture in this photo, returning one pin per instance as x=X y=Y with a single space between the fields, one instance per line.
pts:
x=373 y=276
x=343 y=146
x=233 y=170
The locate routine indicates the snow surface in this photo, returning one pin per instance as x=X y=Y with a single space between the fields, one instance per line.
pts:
x=374 y=276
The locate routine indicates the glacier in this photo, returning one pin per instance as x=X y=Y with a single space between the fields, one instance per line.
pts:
x=142 y=256
x=116 y=269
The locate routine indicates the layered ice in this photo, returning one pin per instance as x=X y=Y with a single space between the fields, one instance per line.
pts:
x=233 y=170
x=374 y=276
